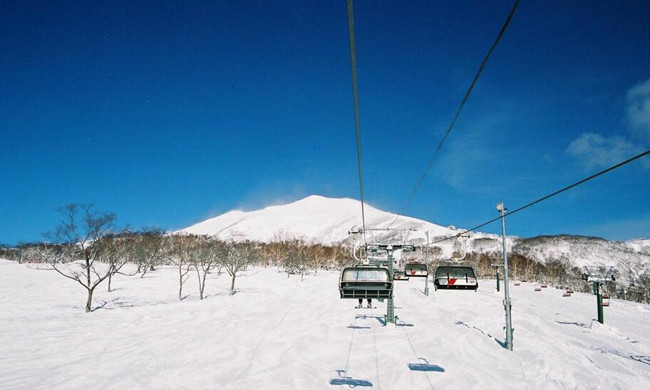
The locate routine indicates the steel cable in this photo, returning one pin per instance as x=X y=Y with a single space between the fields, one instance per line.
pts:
x=353 y=63
x=613 y=167
x=458 y=111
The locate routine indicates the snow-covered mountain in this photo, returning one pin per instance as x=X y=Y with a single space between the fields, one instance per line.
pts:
x=314 y=218
x=328 y=220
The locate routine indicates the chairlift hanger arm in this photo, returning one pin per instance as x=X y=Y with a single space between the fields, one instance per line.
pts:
x=404 y=247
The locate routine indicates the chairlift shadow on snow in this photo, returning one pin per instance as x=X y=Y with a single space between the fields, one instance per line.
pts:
x=365 y=316
x=343 y=380
x=580 y=324
x=641 y=359
x=115 y=301
x=113 y=304
x=426 y=367
x=381 y=319
x=358 y=327
x=637 y=358
x=501 y=343
x=100 y=306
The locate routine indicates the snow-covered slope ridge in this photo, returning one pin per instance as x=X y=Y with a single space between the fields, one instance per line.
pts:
x=315 y=218
x=327 y=220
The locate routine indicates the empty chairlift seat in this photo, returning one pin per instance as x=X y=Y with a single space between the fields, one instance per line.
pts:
x=456 y=277
x=365 y=282
x=416 y=270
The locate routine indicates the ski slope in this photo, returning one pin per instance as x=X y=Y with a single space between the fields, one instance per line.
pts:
x=281 y=333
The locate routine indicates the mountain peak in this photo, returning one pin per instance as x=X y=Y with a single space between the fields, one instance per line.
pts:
x=314 y=218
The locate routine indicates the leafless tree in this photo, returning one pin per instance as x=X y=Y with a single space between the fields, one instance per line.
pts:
x=205 y=258
x=277 y=251
x=318 y=254
x=298 y=258
x=180 y=250
x=637 y=270
x=237 y=256
x=78 y=244
x=115 y=252
x=148 y=250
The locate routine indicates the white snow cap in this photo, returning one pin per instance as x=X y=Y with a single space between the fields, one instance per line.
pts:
x=315 y=218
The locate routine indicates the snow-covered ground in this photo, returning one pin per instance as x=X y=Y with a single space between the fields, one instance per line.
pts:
x=281 y=333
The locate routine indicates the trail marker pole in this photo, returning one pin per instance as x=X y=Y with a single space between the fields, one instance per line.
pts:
x=496 y=271
x=426 y=261
x=426 y=284
x=506 y=302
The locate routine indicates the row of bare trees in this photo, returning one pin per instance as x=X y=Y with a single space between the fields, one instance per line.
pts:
x=635 y=272
x=204 y=255
x=88 y=248
x=298 y=257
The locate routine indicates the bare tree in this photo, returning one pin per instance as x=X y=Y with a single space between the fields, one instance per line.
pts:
x=238 y=255
x=297 y=258
x=277 y=253
x=341 y=256
x=180 y=249
x=78 y=247
x=115 y=252
x=318 y=256
x=637 y=270
x=205 y=258
x=148 y=250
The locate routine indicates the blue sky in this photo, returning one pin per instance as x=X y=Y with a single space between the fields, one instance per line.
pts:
x=168 y=113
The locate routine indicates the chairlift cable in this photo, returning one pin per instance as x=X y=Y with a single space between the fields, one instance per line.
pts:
x=613 y=167
x=353 y=65
x=458 y=111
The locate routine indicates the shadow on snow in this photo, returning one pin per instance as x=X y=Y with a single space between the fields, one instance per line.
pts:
x=349 y=381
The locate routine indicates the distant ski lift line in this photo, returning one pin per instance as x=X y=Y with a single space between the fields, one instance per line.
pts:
x=613 y=167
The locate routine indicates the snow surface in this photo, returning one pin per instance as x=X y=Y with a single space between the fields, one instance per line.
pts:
x=281 y=333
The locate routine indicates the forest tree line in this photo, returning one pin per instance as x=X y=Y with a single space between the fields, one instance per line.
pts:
x=87 y=248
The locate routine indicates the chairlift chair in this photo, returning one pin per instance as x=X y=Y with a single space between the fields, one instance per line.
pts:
x=416 y=270
x=365 y=282
x=455 y=277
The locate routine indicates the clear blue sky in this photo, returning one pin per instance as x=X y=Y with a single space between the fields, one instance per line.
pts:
x=168 y=113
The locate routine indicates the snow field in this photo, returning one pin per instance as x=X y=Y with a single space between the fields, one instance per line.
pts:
x=281 y=333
